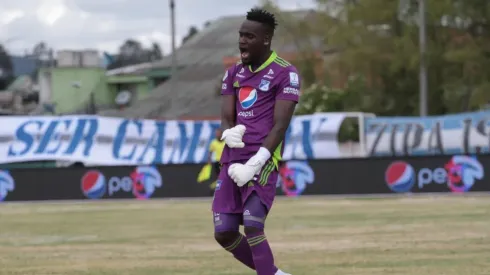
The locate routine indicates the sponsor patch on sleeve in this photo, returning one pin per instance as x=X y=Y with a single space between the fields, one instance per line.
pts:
x=290 y=91
x=293 y=79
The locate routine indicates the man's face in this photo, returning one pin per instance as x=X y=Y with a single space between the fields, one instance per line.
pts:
x=252 y=41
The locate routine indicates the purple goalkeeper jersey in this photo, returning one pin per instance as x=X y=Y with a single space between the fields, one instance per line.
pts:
x=256 y=94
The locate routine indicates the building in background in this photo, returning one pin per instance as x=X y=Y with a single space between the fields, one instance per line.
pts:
x=23 y=65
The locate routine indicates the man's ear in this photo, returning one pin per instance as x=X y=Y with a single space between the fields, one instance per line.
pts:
x=267 y=40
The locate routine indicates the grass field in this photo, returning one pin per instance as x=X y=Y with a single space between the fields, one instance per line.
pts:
x=313 y=236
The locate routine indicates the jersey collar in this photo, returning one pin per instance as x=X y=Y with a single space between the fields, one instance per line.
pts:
x=265 y=64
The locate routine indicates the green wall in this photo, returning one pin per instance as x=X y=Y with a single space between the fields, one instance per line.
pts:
x=69 y=98
x=140 y=85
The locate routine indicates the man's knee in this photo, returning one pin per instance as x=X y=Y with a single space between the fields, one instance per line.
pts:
x=252 y=230
x=225 y=238
x=226 y=228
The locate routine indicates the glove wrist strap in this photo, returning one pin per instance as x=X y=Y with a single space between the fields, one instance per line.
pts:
x=263 y=154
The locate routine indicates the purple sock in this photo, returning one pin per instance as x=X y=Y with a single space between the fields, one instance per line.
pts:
x=241 y=251
x=261 y=254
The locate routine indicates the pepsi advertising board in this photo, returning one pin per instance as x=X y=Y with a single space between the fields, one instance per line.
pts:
x=140 y=182
x=384 y=175
x=381 y=175
x=457 y=174
x=111 y=182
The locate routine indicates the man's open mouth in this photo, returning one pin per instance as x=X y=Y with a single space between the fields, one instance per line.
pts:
x=244 y=53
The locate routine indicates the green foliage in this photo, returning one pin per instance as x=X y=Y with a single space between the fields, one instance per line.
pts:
x=349 y=130
x=355 y=97
x=317 y=99
x=376 y=47
x=324 y=98
x=306 y=68
x=377 y=44
x=296 y=31
x=6 y=69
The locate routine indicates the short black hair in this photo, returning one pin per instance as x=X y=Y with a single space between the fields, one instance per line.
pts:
x=264 y=17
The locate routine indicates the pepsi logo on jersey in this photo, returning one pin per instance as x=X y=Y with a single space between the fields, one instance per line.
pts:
x=247 y=97
x=246 y=114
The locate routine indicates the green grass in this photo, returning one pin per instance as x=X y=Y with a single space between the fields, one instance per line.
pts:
x=314 y=236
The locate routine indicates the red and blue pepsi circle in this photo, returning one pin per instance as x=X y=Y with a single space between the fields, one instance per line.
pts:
x=7 y=184
x=462 y=171
x=94 y=184
x=400 y=177
x=294 y=177
x=145 y=181
x=247 y=97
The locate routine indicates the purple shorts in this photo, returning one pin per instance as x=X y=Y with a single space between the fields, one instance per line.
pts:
x=232 y=204
x=229 y=198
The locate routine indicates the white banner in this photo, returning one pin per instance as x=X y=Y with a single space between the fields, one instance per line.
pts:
x=449 y=134
x=117 y=141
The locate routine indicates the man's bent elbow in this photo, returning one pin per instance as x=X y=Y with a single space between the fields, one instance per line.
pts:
x=281 y=128
x=227 y=123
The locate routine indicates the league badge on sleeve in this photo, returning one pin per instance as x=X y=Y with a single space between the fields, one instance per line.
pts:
x=264 y=85
x=293 y=79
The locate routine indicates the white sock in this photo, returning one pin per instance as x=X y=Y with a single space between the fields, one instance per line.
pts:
x=280 y=272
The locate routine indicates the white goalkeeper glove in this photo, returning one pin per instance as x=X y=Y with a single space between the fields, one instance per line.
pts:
x=241 y=174
x=233 y=136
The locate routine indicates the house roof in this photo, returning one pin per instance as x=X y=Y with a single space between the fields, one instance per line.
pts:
x=197 y=86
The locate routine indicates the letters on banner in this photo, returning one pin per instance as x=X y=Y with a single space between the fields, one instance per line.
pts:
x=116 y=141
x=462 y=133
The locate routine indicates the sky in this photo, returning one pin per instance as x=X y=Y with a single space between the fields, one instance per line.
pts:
x=105 y=24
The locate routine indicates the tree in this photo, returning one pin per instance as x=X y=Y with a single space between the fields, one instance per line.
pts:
x=156 y=52
x=40 y=50
x=131 y=49
x=6 y=68
x=43 y=55
x=378 y=40
x=192 y=31
x=373 y=42
x=298 y=31
x=132 y=52
x=466 y=77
